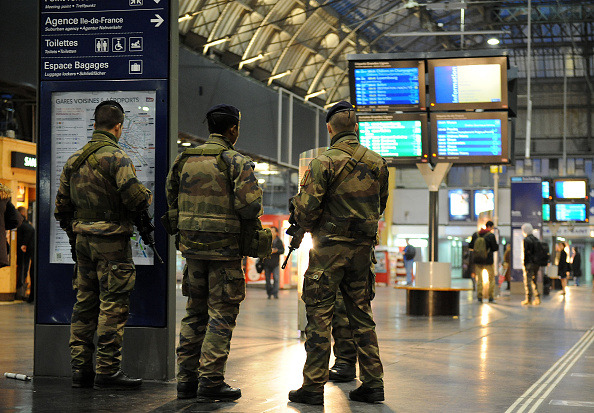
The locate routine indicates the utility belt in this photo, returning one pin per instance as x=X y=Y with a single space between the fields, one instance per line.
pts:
x=349 y=228
x=90 y=215
x=252 y=240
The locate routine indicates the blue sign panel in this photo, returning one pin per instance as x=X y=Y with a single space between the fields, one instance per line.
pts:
x=526 y=207
x=104 y=39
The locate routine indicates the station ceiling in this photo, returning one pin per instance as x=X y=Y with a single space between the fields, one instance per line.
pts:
x=302 y=45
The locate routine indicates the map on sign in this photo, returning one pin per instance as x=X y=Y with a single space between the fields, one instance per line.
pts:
x=72 y=126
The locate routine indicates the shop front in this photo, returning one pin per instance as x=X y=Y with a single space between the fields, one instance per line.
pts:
x=18 y=165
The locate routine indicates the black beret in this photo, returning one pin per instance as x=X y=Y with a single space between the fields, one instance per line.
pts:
x=341 y=106
x=224 y=109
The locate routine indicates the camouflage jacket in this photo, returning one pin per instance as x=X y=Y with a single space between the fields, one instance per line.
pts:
x=101 y=200
x=343 y=211
x=210 y=202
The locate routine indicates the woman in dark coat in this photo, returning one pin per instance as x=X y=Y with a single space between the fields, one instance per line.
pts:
x=576 y=266
x=9 y=219
x=563 y=266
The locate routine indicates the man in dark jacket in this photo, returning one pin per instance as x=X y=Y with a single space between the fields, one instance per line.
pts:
x=271 y=265
x=9 y=219
x=25 y=251
x=486 y=262
x=531 y=266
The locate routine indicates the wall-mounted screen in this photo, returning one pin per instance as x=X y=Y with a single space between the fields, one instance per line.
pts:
x=400 y=138
x=484 y=200
x=459 y=200
x=565 y=212
x=546 y=189
x=571 y=188
x=546 y=212
x=470 y=137
x=468 y=83
x=387 y=85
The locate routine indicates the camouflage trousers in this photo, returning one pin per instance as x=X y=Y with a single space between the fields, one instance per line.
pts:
x=214 y=290
x=104 y=279
x=344 y=347
x=333 y=266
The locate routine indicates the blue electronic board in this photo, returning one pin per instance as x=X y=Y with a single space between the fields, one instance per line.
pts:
x=387 y=86
x=570 y=212
x=469 y=137
x=104 y=39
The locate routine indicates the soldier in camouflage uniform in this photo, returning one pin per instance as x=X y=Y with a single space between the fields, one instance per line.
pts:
x=211 y=192
x=343 y=193
x=97 y=203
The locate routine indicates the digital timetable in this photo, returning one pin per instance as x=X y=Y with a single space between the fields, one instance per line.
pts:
x=387 y=86
x=469 y=137
x=395 y=137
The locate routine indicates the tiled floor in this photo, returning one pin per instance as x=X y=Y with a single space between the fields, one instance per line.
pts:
x=493 y=358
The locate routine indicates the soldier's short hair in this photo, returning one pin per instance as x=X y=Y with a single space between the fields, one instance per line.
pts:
x=343 y=121
x=108 y=114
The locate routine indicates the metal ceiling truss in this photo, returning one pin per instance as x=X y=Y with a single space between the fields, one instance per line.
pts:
x=302 y=45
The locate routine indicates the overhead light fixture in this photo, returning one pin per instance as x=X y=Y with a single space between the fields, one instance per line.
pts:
x=215 y=42
x=188 y=16
x=186 y=144
x=314 y=94
x=250 y=60
x=493 y=41
x=178 y=142
x=329 y=105
x=278 y=76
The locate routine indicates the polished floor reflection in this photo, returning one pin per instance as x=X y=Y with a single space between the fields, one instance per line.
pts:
x=499 y=357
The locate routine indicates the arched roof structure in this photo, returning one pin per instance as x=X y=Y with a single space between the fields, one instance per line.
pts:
x=302 y=45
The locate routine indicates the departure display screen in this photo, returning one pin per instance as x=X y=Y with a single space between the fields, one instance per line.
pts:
x=393 y=86
x=546 y=212
x=570 y=189
x=385 y=86
x=570 y=212
x=393 y=138
x=397 y=137
x=469 y=137
x=546 y=189
x=466 y=84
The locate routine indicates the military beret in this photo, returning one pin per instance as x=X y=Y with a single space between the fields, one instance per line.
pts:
x=341 y=106
x=224 y=109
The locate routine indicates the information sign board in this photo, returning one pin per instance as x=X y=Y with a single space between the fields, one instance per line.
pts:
x=104 y=39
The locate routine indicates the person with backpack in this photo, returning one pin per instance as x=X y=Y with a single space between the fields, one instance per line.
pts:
x=531 y=265
x=483 y=244
x=409 y=258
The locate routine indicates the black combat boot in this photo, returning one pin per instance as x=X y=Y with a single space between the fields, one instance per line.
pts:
x=82 y=378
x=116 y=381
x=342 y=372
x=222 y=392
x=187 y=389
x=307 y=397
x=367 y=395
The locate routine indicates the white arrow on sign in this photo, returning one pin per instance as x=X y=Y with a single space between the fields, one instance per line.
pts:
x=157 y=1
x=158 y=20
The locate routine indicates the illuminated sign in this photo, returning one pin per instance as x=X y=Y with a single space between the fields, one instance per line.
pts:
x=23 y=160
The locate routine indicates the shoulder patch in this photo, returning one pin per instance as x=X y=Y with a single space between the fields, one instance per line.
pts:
x=305 y=178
